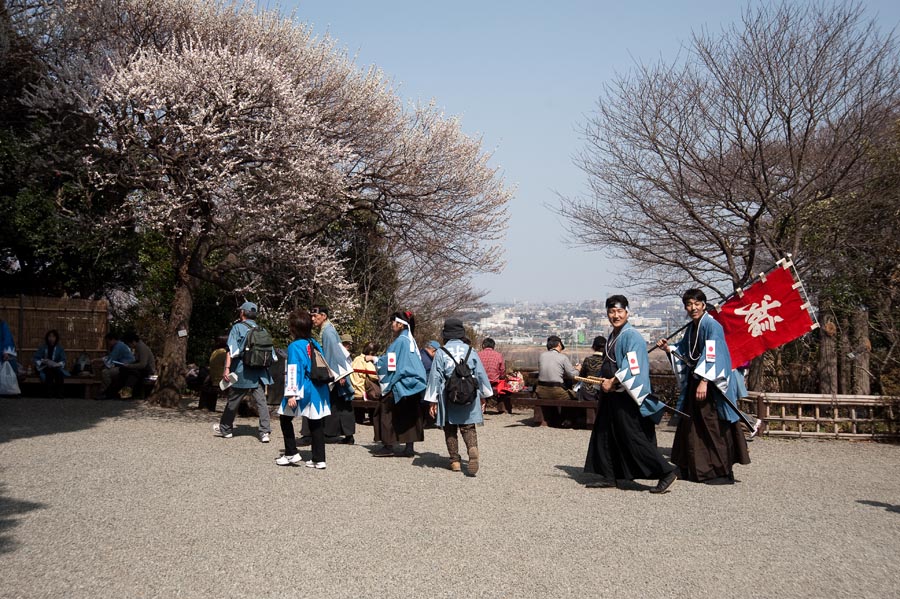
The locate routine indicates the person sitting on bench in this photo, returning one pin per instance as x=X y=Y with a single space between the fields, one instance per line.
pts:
x=555 y=377
x=132 y=376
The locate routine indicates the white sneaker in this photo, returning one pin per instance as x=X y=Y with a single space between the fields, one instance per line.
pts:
x=316 y=465
x=218 y=432
x=288 y=460
x=264 y=438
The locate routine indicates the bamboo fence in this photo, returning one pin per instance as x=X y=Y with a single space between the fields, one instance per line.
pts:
x=82 y=324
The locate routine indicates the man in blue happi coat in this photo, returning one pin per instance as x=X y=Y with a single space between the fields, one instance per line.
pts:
x=623 y=442
x=710 y=442
x=340 y=425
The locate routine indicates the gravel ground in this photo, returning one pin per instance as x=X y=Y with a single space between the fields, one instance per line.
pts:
x=118 y=499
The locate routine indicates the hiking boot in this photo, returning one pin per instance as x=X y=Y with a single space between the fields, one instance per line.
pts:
x=455 y=466
x=217 y=432
x=665 y=484
x=288 y=460
x=472 y=467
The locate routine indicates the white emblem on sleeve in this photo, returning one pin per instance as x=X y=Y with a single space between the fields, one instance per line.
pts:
x=711 y=351
x=633 y=365
x=392 y=362
x=290 y=383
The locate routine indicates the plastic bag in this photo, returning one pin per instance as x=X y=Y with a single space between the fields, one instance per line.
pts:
x=9 y=382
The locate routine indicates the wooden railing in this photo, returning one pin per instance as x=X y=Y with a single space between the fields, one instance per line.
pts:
x=829 y=416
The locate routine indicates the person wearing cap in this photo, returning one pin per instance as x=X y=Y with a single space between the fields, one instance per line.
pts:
x=457 y=419
x=340 y=425
x=347 y=342
x=623 y=442
x=398 y=418
x=427 y=355
x=555 y=377
x=249 y=380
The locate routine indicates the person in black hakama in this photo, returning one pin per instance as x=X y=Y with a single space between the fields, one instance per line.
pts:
x=623 y=442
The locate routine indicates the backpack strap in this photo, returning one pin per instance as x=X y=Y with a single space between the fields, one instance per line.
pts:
x=444 y=349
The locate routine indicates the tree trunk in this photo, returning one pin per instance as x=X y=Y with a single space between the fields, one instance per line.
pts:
x=828 y=368
x=845 y=375
x=862 y=349
x=172 y=364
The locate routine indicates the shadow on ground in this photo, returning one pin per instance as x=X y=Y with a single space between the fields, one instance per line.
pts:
x=25 y=417
x=578 y=474
x=887 y=506
x=10 y=509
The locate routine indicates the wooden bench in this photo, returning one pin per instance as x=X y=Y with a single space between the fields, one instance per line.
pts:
x=590 y=408
x=363 y=408
x=89 y=383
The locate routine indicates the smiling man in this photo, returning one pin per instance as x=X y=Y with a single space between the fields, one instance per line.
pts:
x=710 y=442
x=623 y=442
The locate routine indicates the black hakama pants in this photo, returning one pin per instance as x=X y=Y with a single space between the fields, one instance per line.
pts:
x=623 y=443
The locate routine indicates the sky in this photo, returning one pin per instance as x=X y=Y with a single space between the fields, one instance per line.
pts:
x=523 y=75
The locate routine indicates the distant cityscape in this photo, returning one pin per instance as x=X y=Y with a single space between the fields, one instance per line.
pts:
x=577 y=323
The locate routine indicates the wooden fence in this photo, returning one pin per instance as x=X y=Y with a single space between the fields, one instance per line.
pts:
x=81 y=323
x=826 y=416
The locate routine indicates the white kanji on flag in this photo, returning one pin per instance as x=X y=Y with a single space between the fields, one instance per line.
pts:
x=757 y=316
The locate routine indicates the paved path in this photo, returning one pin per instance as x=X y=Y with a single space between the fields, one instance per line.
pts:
x=116 y=499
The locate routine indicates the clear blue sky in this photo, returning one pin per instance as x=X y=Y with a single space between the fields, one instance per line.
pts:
x=522 y=75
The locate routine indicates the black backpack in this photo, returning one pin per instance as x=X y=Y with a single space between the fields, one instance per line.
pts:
x=461 y=388
x=257 y=347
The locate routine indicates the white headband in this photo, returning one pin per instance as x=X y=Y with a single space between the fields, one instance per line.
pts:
x=413 y=346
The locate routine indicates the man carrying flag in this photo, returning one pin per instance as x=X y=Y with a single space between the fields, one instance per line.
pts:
x=710 y=442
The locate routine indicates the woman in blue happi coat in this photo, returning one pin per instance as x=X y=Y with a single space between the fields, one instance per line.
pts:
x=302 y=395
x=710 y=442
x=50 y=363
x=398 y=417
x=623 y=442
x=457 y=418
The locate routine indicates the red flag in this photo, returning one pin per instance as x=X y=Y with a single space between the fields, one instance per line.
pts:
x=770 y=313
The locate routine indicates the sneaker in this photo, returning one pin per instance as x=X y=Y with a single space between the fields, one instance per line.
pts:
x=217 y=431
x=665 y=484
x=264 y=438
x=316 y=465
x=288 y=460
x=348 y=440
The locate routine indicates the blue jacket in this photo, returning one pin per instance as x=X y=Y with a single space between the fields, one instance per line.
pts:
x=248 y=378
x=441 y=369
